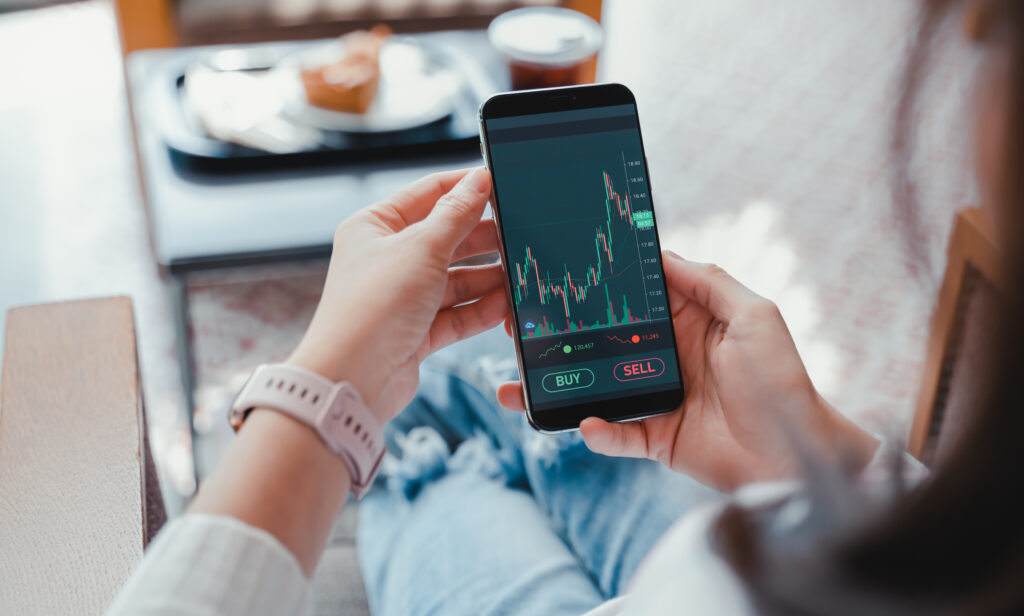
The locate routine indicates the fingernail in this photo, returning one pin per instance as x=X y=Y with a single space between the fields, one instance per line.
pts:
x=478 y=179
x=674 y=254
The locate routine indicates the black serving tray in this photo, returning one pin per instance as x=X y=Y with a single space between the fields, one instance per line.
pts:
x=191 y=149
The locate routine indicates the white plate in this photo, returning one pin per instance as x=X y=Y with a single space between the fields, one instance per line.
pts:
x=415 y=88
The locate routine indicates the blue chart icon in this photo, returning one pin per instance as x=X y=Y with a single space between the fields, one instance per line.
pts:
x=530 y=325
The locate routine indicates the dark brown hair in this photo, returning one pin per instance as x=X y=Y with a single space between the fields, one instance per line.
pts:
x=955 y=543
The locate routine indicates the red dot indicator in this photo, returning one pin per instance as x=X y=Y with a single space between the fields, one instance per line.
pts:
x=635 y=339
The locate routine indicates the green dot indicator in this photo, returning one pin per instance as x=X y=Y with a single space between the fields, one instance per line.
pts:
x=567 y=348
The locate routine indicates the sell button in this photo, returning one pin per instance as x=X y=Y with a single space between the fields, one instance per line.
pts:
x=639 y=369
x=567 y=380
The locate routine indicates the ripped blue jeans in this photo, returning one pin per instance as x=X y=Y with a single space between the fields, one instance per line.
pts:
x=476 y=513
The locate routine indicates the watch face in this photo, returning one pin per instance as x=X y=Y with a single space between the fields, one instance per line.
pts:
x=237 y=415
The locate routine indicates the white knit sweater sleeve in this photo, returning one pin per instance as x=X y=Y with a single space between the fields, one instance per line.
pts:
x=205 y=565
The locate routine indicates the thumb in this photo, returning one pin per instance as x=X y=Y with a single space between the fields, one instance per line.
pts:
x=624 y=440
x=707 y=285
x=459 y=210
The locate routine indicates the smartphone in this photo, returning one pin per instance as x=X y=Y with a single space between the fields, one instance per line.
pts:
x=579 y=245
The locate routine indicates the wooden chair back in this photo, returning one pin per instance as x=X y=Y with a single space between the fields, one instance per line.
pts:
x=966 y=299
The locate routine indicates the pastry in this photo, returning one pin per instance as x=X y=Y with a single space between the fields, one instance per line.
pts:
x=350 y=83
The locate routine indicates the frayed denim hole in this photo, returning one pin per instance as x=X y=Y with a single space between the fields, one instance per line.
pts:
x=423 y=457
x=548 y=449
x=485 y=373
x=490 y=371
x=479 y=456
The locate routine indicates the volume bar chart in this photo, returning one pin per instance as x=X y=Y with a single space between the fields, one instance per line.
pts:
x=549 y=329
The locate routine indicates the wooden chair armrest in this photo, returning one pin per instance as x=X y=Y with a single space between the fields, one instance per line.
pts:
x=73 y=457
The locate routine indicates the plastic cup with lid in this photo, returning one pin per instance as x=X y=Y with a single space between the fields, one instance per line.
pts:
x=547 y=46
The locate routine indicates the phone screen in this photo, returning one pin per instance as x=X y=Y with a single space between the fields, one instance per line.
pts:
x=583 y=259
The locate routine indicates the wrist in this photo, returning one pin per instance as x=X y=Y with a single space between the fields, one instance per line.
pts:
x=342 y=364
x=298 y=440
x=335 y=411
x=846 y=441
x=280 y=476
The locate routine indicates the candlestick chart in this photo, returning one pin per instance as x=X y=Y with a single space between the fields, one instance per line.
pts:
x=594 y=262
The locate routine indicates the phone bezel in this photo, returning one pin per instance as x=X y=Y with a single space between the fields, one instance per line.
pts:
x=529 y=102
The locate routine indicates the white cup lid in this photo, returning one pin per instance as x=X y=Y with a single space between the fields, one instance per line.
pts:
x=546 y=35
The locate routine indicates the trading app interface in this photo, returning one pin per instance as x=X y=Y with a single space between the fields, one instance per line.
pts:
x=582 y=255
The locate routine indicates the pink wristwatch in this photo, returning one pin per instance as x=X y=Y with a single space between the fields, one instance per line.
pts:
x=335 y=410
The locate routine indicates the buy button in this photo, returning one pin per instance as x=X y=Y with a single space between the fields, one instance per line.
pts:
x=639 y=369
x=567 y=380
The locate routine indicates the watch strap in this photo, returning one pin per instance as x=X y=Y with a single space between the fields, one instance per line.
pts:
x=335 y=411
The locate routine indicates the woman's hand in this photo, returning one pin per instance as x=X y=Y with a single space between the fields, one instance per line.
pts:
x=747 y=392
x=391 y=298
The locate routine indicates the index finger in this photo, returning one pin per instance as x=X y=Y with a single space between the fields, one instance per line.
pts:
x=459 y=211
x=412 y=203
x=707 y=285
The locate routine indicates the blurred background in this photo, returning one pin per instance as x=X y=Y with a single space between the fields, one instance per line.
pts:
x=197 y=156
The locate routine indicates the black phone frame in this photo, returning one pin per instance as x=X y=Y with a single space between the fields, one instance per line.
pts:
x=569 y=98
